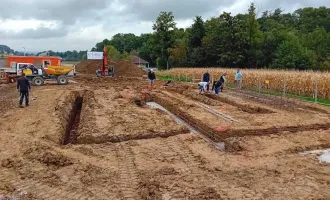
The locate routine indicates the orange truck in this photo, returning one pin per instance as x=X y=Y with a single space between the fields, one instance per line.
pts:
x=38 y=68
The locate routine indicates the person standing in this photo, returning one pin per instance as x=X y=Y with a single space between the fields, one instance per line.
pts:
x=23 y=86
x=238 y=79
x=151 y=78
x=206 y=78
x=219 y=84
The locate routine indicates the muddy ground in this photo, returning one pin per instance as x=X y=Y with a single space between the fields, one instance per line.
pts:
x=96 y=139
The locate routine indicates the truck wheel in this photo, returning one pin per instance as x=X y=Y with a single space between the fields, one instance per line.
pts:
x=38 y=81
x=62 y=80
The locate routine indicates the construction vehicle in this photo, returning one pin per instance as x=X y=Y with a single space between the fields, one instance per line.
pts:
x=106 y=69
x=37 y=74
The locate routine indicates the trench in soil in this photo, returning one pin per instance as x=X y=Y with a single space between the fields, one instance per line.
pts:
x=71 y=132
x=244 y=107
x=203 y=130
x=219 y=145
x=220 y=136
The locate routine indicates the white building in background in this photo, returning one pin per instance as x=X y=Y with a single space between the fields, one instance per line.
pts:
x=140 y=62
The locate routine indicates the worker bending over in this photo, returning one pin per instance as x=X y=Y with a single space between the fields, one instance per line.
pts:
x=202 y=86
x=220 y=83
x=23 y=86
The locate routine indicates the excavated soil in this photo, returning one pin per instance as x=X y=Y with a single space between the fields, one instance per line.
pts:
x=96 y=139
x=8 y=97
x=122 y=68
x=277 y=102
x=270 y=122
x=112 y=116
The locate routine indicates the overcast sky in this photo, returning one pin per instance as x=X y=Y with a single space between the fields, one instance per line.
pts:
x=62 y=25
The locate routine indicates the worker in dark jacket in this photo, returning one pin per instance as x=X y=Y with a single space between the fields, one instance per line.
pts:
x=220 y=83
x=206 y=78
x=151 y=78
x=23 y=86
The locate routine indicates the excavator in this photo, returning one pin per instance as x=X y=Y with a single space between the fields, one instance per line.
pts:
x=106 y=69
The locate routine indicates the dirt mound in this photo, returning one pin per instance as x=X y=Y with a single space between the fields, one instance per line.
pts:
x=127 y=68
x=122 y=68
x=208 y=193
x=49 y=158
x=150 y=189
x=89 y=66
x=11 y=163
x=41 y=154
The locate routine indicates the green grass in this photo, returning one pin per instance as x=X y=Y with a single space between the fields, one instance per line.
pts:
x=181 y=79
x=322 y=101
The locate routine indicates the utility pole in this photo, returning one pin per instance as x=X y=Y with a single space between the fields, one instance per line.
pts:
x=24 y=50
x=168 y=56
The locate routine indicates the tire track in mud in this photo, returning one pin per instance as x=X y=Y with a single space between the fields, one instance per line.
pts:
x=43 y=191
x=128 y=175
x=84 y=160
x=184 y=152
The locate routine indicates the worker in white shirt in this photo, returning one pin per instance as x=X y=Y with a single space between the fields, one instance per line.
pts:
x=202 y=86
x=238 y=79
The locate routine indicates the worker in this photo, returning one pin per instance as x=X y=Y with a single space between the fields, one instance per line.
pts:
x=168 y=83
x=151 y=78
x=98 y=72
x=238 y=79
x=202 y=86
x=40 y=70
x=220 y=83
x=206 y=78
x=112 y=71
x=23 y=86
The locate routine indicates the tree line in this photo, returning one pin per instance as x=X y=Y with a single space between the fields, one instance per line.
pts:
x=68 y=55
x=5 y=51
x=298 y=40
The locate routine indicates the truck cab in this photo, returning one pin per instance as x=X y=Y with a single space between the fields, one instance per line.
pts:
x=28 y=68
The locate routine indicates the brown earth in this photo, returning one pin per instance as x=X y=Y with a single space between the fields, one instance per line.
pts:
x=120 y=150
x=122 y=68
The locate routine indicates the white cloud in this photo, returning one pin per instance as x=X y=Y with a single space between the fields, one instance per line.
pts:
x=79 y=24
x=20 y=25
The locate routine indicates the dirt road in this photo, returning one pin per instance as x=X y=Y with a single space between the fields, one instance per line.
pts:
x=124 y=151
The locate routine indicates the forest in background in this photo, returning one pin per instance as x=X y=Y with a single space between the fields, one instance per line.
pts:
x=68 y=55
x=298 y=40
x=271 y=39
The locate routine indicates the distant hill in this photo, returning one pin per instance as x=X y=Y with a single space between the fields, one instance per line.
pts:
x=5 y=50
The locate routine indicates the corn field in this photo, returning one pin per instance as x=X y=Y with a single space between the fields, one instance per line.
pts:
x=302 y=83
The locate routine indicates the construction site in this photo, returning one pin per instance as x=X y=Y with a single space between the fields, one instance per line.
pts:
x=114 y=138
